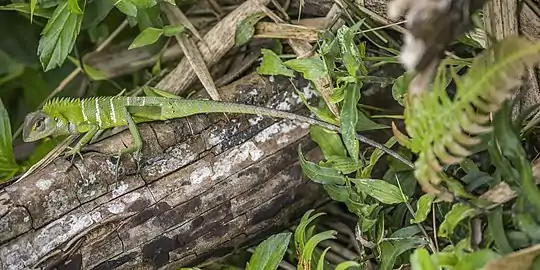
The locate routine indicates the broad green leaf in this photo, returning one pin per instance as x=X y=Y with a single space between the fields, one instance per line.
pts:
x=8 y=166
x=272 y=65
x=365 y=123
x=95 y=12
x=26 y=8
x=380 y=190
x=497 y=232
x=337 y=193
x=321 y=113
x=423 y=206
x=305 y=259
x=349 y=118
x=126 y=7
x=391 y=251
x=347 y=265
x=311 y=68
x=146 y=37
x=58 y=37
x=343 y=164
x=458 y=213
x=270 y=252
x=143 y=4
x=74 y=7
x=318 y=174
x=329 y=142
x=421 y=260
x=477 y=259
x=149 y=17
x=246 y=28
x=173 y=30
x=406 y=232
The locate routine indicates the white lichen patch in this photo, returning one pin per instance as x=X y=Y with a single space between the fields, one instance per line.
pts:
x=96 y=216
x=120 y=189
x=59 y=231
x=253 y=92
x=199 y=175
x=271 y=78
x=278 y=128
x=225 y=164
x=255 y=120
x=131 y=197
x=116 y=207
x=44 y=184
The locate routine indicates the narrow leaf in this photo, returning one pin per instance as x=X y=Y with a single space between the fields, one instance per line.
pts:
x=329 y=142
x=27 y=8
x=320 y=265
x=173 y=30
x=305 y=258
x=318 y=174
x=380 y=190
x=423 y=207
x=270 y=252
x=146 y=37
x=74 y=7
x=272 y=65
x=8 y=166
x=58 y=37
x=349 y=118
x=346 y=265
x=497 y=232
x=391 y=251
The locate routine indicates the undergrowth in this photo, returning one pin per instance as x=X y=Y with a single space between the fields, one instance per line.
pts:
x=459 y=134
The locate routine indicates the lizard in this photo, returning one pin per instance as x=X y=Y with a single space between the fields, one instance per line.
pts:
x=87 y=116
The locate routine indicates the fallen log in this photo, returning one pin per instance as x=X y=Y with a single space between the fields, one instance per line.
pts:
x=196 y=196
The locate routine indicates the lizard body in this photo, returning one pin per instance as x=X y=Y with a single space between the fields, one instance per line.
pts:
x=68 y=116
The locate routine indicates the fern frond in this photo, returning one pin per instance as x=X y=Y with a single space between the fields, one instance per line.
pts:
x=441 y=129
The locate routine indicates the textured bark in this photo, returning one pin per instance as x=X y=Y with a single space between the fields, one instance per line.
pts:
x=196 y=196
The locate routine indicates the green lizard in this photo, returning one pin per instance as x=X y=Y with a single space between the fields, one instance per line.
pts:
x=69 y=116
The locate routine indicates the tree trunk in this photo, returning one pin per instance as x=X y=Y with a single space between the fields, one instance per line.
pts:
x=196 y=197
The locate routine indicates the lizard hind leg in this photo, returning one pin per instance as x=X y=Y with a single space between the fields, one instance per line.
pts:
x=137 y=143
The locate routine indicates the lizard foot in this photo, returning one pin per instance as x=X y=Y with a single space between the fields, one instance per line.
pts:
x=72 y=152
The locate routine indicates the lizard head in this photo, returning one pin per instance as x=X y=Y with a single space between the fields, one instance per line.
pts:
x=38 y=125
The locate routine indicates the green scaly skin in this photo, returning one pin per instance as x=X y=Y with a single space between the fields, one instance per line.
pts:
x=70 y=116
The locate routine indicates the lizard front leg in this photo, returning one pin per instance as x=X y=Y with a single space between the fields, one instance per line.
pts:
x=76 y=150
x=137 y=141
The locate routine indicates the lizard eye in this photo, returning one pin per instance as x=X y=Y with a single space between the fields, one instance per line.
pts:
x=40 y=124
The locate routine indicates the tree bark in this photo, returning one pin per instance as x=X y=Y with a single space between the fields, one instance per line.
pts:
x=196 y=196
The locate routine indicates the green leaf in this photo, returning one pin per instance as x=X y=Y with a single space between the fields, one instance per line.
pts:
x=272 y=65
x=406 y=232
x=173 y=30
x=311 y=68
x=445 y=259
x=94 y=74
x=148 y=36
x=458 y=212
x=304 y=261
x=346 y=265
x=380 y=190
x=349 y=51
x=149 y=17
x=319 y=174
x=401 y=84
x=126 y=7
x=392 y=251
x=423 y=207
x=375 y=156
x=365 y=123
x=246 y=28
x=329 y=142
x=58 y=37
x=421 y=260
x=337 y=193
x=477 y=259
x=300 y=231
x=27 y=9
x=345 y=165
x=143 y=4
x=349 y=118
x=497 y=232
x=270 y=252
x=94 y=13
x=320 y=265
x=8 y=166
x=74 y=7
